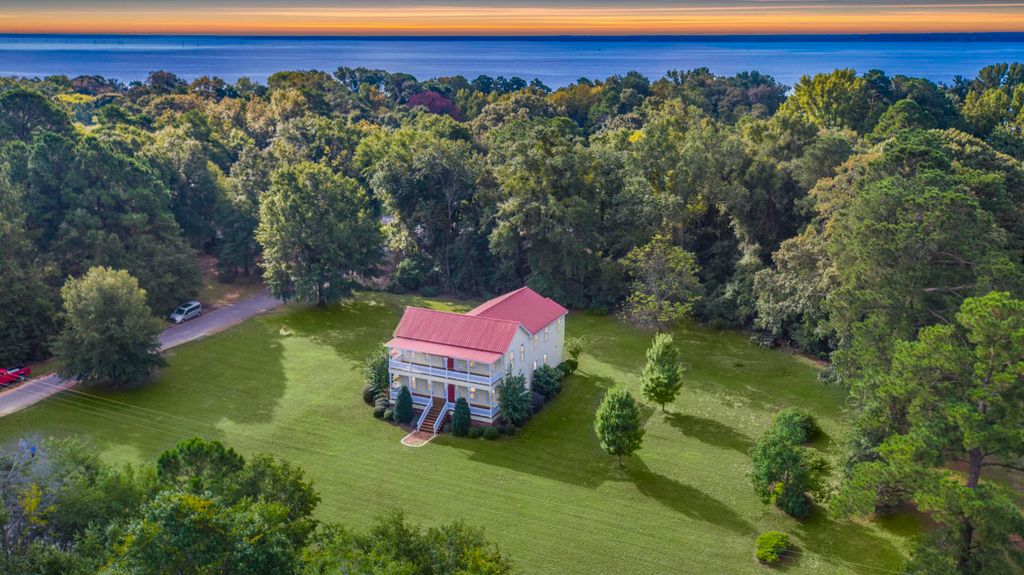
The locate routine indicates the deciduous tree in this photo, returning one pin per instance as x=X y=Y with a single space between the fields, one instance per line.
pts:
x=318 y=233
x=662 y=375
x=665 y=283
x=110 y=335
x=619 y=424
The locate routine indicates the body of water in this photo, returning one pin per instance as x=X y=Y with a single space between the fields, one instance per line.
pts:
x=555 y=61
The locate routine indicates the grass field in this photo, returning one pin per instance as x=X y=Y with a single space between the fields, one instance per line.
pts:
x=288 y=383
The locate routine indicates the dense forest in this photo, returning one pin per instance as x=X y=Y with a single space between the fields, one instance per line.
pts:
x=844 y=216
x=202 y=508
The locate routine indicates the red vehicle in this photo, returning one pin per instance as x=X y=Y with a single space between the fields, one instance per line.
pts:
x=13 y=375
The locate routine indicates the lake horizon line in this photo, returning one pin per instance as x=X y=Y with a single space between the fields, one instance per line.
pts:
x=752 y=37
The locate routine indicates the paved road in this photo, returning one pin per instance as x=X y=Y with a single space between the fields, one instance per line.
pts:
x=40 y=388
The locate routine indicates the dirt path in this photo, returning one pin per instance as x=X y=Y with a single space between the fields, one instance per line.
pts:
x=38 y=389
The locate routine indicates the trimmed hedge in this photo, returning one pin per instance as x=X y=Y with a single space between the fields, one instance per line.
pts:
x=491 y=432
x=474 y=433
x=378 y=411
x=368 y=394
x=772 y=547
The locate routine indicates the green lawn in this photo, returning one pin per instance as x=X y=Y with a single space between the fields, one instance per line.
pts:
x=288 y=383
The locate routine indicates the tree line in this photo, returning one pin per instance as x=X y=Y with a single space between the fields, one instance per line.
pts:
x=202 y=508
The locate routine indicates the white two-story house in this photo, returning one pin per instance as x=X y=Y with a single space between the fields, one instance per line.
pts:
x=442 y=356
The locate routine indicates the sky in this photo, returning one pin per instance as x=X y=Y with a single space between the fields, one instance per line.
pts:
x=507 y=17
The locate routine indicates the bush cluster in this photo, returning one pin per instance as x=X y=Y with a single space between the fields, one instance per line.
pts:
x=569 y=366
x=772 y=547
x=474 y=433
x=796 y=425
x=492 y=432
x=783 y=472
x=538 y=402
x=547 y=381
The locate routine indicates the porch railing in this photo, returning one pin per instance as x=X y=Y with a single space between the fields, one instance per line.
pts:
x=440 y=418
x=484 y=412
x=423 y=414
x=443 y=372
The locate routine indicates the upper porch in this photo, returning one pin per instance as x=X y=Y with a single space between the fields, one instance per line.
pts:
x=447 y=368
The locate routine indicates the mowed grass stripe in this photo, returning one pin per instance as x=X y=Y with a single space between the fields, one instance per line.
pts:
x=289 y=384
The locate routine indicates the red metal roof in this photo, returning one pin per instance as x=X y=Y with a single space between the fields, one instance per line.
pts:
x=456 y=330
x=445 y=350
x=524 y=306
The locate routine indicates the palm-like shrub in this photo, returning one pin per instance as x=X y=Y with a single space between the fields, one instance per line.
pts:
x=375 y=370
x=513 y=400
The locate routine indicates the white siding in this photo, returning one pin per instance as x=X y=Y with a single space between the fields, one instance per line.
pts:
x=536 y=347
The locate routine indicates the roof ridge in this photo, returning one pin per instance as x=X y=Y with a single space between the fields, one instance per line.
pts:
x=455 y=313
x=495 y=301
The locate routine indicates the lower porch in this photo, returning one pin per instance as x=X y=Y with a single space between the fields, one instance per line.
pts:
x=483 y=405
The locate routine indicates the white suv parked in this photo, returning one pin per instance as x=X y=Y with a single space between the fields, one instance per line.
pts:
x=187 y=311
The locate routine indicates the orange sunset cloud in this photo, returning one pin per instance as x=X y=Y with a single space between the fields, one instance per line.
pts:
x=746 y=18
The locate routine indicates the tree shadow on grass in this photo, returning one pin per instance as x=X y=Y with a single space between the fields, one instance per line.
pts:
x=236 y=376
x=685 y=499
x=353 y=329
x=558 y=443
x=850 y=544
x=710 y=431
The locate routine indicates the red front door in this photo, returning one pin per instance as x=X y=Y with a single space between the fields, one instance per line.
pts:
x=451 y=363
x=451 y=393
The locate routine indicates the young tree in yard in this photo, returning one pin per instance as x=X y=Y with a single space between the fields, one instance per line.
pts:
x=963 y=387
x=110 y=336
x=376 y=371
x=461 y=418
x=662 y=376
x=513 y=399
x=618 y=423
x=318 y=232
x=665 y=283
x=403 y=407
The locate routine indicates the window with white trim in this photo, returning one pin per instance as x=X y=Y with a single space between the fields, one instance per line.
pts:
x=545 y=334
x=545 y=359
x=522 y=352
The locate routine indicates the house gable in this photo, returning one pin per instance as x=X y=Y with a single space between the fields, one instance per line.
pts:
x=525 y=306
